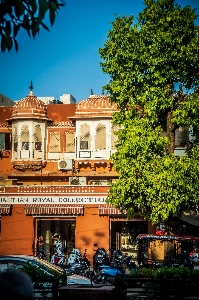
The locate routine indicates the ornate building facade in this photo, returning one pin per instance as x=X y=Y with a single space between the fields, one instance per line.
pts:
x=55 y=173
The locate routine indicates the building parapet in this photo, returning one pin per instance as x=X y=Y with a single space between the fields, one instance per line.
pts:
x=67 y=189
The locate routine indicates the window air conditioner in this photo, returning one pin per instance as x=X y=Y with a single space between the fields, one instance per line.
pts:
x=65 y=164
x=77 y=180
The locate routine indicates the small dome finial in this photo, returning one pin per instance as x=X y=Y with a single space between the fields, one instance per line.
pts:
x=91 y=92
x=31 y=88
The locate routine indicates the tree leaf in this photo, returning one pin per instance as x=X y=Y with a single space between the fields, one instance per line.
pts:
x=52 y=9
x=26 y=14
x=44 y=26
x=16 y=29
x=16 y=44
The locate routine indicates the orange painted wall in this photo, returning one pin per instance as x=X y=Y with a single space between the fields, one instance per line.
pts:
x=61 y=112
x=5 y=164
x=17 y=232
x=91 y=229
x=5 y=113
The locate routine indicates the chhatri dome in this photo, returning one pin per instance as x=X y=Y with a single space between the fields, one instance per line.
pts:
x=30 y=107
x=95 y=106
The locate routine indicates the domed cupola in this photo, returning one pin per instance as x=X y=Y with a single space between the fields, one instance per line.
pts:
x=95 y=106
x=29 y=131
x=29 y=107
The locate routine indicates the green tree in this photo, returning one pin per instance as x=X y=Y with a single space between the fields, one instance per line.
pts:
x=145 y=62
x=27 y=14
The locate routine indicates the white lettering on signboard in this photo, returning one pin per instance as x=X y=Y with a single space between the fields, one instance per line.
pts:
x=54 y=200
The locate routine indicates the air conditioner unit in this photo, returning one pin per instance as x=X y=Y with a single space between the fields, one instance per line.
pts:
x=65 y=164
x=77 y=180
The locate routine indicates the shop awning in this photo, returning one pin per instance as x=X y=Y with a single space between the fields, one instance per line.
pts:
x=5 y=209
x=41 y=209
x=152 y=237
x=106 y=210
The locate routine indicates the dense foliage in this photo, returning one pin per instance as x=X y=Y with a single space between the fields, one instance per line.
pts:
x=180 y=273
x=27 y=14
x=154 y=71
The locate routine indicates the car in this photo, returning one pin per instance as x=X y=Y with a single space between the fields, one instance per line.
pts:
x=39 y=268
x=78 y=279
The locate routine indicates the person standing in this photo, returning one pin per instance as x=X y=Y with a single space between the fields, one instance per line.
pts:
x=40 y=247
x=58 y=257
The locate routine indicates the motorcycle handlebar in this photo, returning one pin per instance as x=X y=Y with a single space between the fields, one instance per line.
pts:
x=109 y=249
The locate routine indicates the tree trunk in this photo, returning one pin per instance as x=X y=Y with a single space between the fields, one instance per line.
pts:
x=170 y=133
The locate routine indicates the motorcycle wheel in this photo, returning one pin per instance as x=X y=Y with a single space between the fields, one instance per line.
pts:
x=92 y=276
x=107 y=279
x=87 y=274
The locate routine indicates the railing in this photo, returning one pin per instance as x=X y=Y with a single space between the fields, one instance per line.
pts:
x=163 y=289
x=46 y=289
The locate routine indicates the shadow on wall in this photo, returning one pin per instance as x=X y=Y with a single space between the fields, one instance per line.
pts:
x=99 y=234
x=86 y=240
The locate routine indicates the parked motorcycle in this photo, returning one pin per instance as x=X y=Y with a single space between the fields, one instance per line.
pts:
x=183 y=260
x=75 y=255
x=101 y=257
x=103 y=271
x=120 y=259
x=77 y=264
x=58 y=260
x=106 y=273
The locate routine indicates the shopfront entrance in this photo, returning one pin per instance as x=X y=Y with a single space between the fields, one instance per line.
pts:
x=123 y=236
x=47 y=228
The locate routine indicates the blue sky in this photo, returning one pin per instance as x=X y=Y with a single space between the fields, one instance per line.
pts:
x=66 y=60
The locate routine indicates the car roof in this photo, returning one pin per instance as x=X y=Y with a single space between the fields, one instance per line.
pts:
x=78 y=279
x=26 y=258
x=71 y=279
x=18 y=255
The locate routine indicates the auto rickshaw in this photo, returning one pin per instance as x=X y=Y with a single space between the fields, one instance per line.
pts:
x=164 y=250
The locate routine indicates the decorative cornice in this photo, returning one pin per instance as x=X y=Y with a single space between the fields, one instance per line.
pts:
x=5 y=125
x=61 y=124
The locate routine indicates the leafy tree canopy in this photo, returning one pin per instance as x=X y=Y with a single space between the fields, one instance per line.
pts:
x=27 y=14
x=154 y=73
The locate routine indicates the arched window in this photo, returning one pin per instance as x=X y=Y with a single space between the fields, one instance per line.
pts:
x=100 y=137
x=85 y=137
x=70 y=141
x=38 y=137
x=25 y=142
x=54 y=141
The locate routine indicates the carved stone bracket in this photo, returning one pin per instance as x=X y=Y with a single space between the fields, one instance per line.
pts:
x=77 y=168
x=29 y=165
x=93 y=167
